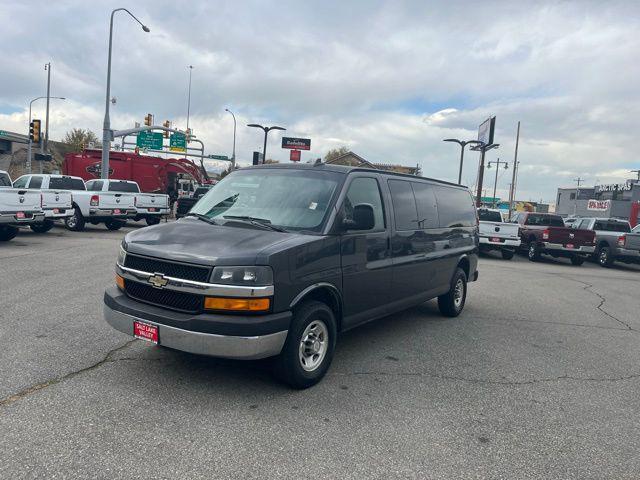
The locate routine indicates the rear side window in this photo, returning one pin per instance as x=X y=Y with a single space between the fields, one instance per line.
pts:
x=21 y=182
x=489 y=215
x=609 y=226
x=455 y=207
x=35 y=183
x=583 y=224
x=123 y=187
x=405 y=211
x=427 y=206
x=66 y=183
x=365 y=190
x=5 y=181
x=95 y=186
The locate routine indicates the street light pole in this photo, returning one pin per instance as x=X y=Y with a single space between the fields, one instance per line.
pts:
x=483 y=150
x=462 y=143
x=233 y=155
x=106 y=126
x=47 y=67
x=266 y=131
x=189 y=101
x=30 y=143
x=497 y=163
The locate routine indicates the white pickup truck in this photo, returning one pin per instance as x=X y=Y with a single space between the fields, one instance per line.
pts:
x=110 y=208
x=56 y=203
x=150 y=206
x=18 y=206
x=497 y=235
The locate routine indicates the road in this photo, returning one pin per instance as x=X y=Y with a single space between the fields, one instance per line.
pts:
x=538 y=378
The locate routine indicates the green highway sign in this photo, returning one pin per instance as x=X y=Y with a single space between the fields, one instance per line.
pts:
x=150 y=140
x=218 y=157
x=178 y=142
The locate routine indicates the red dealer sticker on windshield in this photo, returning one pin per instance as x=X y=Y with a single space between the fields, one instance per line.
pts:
x=144 y=331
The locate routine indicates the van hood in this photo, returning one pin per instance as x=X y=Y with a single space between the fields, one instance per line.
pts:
x=194 y=241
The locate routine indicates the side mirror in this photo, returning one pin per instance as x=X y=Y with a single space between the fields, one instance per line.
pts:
x=363 y=218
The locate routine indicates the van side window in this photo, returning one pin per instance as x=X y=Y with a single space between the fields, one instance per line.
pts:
x=36 y=182
x=405 y=211
x=426 y=203
x=365 y=190
x=455 y=207
x=21 y=182
x=96 y=186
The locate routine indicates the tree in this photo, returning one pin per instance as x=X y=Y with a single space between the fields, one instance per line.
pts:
x=335 y=153
x=78 y=139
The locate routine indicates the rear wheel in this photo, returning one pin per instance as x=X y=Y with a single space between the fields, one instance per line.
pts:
x=577 y=260
x=507 y=254
x=308 y=350
x=605 y=259
x=75 y=222
x=152 y=220
x=113 y=224
x=43 y=227
x=534 y=252
x=452 y=302
x=7 y=233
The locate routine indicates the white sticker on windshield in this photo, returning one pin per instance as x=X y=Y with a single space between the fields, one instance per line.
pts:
x=313 y=206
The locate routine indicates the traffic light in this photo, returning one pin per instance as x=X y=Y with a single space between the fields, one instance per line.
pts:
x=34 y=131
x=166 y=124
x=148 y=119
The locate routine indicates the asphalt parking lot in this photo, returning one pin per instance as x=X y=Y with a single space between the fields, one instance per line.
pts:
x=538 y=378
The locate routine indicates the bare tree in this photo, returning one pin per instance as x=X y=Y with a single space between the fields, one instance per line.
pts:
x=335 y=153
x=78 y=139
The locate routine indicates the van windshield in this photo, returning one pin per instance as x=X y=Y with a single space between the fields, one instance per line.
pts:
x=287 y=198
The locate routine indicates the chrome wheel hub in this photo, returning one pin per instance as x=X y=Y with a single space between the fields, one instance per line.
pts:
x=458 y=293
x=313 y=345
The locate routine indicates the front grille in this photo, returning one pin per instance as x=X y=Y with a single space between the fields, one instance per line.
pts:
x=169 y=269
x=183 y=302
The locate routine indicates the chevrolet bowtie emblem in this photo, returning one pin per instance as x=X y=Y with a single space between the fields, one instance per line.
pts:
x=158 y=280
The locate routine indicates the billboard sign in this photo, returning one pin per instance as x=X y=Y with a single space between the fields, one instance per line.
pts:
x=614 y=187
x=598 y=205
x=296 y=143
x=486 y=131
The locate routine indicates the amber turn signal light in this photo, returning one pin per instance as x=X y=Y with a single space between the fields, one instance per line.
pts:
x=119 y=282
x=237 y=304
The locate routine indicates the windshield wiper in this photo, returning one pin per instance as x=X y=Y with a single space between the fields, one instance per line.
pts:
x=261 y=222
x=204 y=218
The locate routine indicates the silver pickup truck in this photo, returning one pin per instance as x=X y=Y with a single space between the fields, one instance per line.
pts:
x=614 y=240
x=17 y=207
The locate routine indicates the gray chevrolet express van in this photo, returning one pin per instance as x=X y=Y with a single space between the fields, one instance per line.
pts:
x=276 y=260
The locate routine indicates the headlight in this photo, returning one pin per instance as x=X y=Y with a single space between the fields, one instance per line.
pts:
x=122 y=255
x=249 y=276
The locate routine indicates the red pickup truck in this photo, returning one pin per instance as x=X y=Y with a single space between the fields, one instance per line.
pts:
x=545 y=233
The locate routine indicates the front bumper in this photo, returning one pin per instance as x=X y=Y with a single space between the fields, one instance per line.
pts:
x=11 y=219
x=559 y=247
x=506 y=242
x=226 y=336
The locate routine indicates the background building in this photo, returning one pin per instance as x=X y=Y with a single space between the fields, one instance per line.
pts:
x=611 y=200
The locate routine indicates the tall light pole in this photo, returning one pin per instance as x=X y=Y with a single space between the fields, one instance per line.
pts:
x=189 y=101
x=462 y=143
x=512 y=190
x=106 y=126
x=233 y=155
x=266 y=131
x=47 y=67
x=29 y=126
x=497 y=163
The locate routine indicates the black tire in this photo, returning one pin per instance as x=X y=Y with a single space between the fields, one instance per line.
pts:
x=605 y=259
x=43 y=227
x=289 y=365
x=152 y=220
x=7 y=233
x=577 y=260
x=452 y=302
x=113 y=224
x=75 y=222
x=508 y=254
x=533 y=252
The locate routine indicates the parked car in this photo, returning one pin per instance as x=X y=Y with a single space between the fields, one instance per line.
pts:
x=150 y=206
x=110 y=208
x=496 y=234
x=614 y=240
x=275 y=260
x=545 y=233
x=56 y=203
x=184 y=204
x=18 y=206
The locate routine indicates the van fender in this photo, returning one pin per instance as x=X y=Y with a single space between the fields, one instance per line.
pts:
x=325 y=292
x=317 y=286
x=465 y=264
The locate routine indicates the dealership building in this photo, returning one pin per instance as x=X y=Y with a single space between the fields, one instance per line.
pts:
x=612 y=200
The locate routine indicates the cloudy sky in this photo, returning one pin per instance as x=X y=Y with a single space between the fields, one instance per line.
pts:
x=387 y=79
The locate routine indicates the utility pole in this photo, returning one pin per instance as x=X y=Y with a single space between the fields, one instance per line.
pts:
x=47 y=67
x=575 y=202
x=497 y=163
x=512 y=190
x=189 y=101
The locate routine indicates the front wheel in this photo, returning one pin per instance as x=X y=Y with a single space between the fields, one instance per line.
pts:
x=452 y=302
x=113 y=224
x=75 y=222
x=605 y=259
x=7 y=233
x=152 y=220
x=507 y=254
x=577 y=260
x=308 y=350
x=43 y=227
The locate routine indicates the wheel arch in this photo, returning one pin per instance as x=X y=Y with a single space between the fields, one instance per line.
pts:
x=324 y=292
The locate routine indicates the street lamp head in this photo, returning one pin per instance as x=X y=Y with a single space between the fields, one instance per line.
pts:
x=276 y=128
x=455 y=140
x=255 y=125
x=146 y=29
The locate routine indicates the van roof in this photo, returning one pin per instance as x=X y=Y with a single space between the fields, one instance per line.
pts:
x=345 y=169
